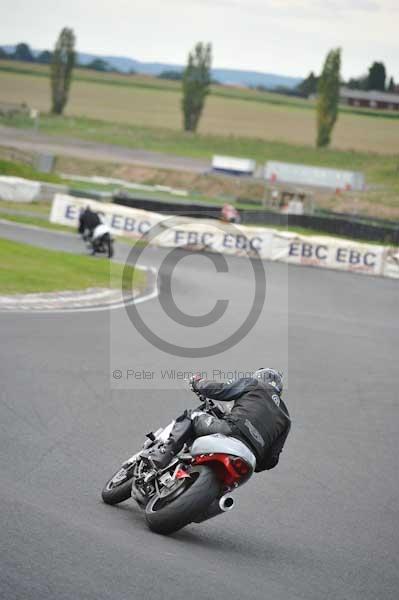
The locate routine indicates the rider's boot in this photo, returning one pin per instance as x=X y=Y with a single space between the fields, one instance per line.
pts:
x=162 y=453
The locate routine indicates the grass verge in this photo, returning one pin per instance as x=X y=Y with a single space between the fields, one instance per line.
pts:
x=26 y=269
x=37 y=207
x=16 y=169
x=36 y=221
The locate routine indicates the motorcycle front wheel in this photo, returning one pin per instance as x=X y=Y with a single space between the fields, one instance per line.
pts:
x=119 y=487
x=110 y=247
x=166 y=514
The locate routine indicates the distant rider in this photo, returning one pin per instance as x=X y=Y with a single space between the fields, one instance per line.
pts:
x=230 y=214
x=88 y=221
x=259 y=418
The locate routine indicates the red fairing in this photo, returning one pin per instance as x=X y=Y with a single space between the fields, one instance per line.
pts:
x=181 y=474
x=231 y=470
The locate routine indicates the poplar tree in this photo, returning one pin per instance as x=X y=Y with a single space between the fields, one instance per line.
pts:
x=196 y=82
x=62 y=64
x=328 y=97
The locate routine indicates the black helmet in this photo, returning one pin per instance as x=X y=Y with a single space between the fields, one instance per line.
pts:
x=270 y=376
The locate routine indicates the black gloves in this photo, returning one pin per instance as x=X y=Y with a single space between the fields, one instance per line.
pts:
x=194 y=379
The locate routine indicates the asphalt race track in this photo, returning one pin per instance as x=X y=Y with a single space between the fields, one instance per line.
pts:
x=324 y=524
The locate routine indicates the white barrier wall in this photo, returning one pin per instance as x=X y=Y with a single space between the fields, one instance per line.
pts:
x=231 y=164
x=240 y=240
x=122 y=219
x=17 y=189
x=279 y=172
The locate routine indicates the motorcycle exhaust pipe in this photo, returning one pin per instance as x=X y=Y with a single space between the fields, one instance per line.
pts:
x=226 y=503
x=219 y=506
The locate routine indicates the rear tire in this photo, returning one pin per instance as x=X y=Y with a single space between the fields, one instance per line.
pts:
x=168 y=518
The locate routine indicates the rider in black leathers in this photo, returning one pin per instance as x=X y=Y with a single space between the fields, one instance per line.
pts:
x=88 y=221
x=259 y=418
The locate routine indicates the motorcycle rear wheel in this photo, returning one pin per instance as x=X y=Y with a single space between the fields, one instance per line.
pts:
x=166 y=517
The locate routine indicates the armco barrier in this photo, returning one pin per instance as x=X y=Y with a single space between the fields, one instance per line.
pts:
x=91 y=194
x=240 y=240
x=357 y=230
x=336 y=225
x=166 y=207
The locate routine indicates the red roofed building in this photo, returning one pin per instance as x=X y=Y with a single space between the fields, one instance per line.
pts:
x=369 y=99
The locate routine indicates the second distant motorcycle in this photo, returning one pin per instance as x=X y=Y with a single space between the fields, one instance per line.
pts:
x=101 y=241
x=95 y=233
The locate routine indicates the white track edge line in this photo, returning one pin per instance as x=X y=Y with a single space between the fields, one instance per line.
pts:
x=144 y=298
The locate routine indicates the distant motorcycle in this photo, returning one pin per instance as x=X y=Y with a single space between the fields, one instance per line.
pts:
x=229 y=214
x=193 y=488
x=101 y=241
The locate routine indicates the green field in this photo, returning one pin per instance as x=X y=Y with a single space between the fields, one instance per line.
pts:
x=154 y=83
x=26 y=269
x=149 y=102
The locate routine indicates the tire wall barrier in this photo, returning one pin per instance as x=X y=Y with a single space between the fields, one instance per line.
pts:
x=240 y=240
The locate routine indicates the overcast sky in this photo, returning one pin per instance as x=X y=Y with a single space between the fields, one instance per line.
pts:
x=289 y=37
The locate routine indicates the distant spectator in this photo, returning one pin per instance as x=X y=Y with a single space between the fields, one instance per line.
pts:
x=295 y=206
x=291 y=203
x=275 y=196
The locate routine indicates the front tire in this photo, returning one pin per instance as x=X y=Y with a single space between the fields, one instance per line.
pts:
x=109 y=246
x=110 y=249
x=168 y=517
x=115 y=493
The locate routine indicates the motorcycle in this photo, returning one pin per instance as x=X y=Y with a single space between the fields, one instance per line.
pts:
x=101 y=241
x=194 y=487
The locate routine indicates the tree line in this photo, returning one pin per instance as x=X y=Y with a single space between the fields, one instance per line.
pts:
x=376 y=79
x=24 y=53
x=196 y=80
